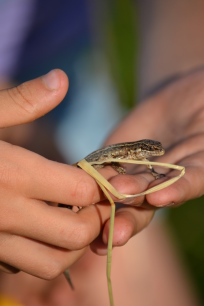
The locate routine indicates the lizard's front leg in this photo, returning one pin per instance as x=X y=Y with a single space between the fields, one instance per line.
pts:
x=155 y=174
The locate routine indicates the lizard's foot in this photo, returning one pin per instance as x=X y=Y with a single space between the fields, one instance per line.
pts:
x=156 y=175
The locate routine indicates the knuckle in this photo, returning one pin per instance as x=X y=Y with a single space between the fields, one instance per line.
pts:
x=86 y=192
x=80 y=237
x=23 y=98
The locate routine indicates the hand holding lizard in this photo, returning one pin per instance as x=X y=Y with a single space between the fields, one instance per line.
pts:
x=174 y=116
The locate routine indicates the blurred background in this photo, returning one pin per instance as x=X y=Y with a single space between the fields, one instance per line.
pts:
x=97 y=45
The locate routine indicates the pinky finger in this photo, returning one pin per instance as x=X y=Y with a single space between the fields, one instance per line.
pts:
x=32 y=257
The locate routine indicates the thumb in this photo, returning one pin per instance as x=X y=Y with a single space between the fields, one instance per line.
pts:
x=32 y=99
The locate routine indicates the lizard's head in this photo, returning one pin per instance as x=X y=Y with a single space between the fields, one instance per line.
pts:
x=148 y=147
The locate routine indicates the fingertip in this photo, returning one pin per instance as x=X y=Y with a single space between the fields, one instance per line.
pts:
x=98 y=247
x=55 y=80
x=32 y=99
x=124 y=228
x=64 y=80
x=56 y=84
x=166 y=196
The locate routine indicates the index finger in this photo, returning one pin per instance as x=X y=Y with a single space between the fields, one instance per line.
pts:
x=36 y=177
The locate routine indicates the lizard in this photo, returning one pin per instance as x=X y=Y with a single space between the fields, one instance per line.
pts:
x=136 y=150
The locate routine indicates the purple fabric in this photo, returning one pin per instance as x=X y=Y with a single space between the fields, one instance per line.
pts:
x=15 y=21
x=31 y=31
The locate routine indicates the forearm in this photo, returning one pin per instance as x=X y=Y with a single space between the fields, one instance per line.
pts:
x=172 y=40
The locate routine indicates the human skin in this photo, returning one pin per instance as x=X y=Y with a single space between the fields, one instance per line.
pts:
x=175 y=117
x=36 y=237
x=171 y=50
x=42 y=239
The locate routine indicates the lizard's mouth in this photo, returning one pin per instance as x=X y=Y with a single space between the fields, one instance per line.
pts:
x=156 y=152
x=161 y=152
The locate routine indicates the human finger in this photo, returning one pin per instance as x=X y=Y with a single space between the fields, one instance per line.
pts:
x=34 y=257
x=132 y=184
x=183 y=148
x=7 y=268
x=32 y=99
x=128 y=222
x=189 y=153
x=34 y=176
x=189 y=186
x=56 y=226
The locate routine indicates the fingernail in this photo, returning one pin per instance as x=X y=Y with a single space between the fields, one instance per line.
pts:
x=51 y=80
x=102 y=251
x=170 y=204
